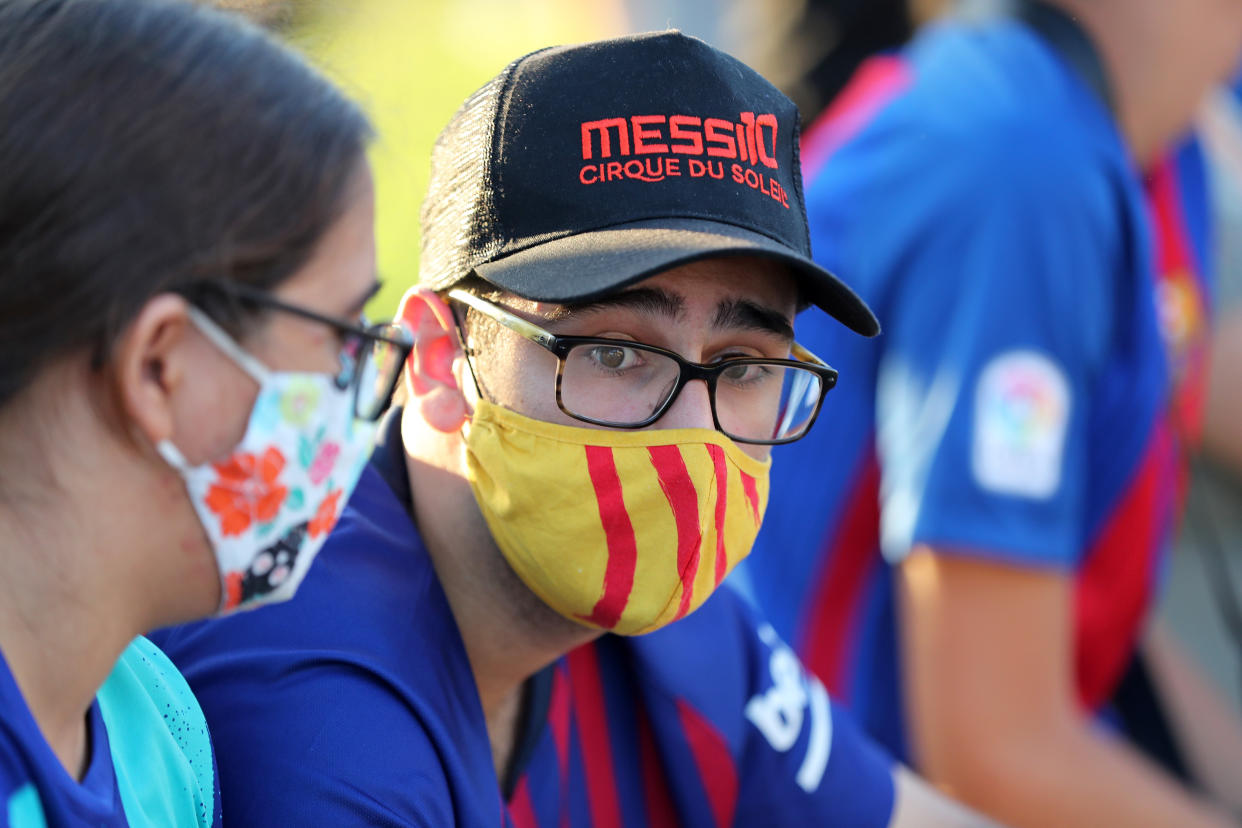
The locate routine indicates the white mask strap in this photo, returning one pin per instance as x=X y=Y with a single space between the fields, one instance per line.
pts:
x=172 y=455
x=208 y=328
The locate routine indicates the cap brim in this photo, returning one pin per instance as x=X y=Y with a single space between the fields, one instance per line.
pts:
x=589 y=265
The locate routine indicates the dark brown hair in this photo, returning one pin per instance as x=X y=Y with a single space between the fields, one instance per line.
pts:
x=149 y=146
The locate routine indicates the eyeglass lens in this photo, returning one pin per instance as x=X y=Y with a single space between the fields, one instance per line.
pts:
x=379 y=362
x=621 y=386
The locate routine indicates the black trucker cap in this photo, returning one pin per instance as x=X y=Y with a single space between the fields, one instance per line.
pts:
x=579 y=170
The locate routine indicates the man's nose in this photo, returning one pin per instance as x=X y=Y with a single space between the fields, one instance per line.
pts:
x=691 y=409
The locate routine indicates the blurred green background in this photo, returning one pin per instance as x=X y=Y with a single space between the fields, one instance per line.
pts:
x=411 y=63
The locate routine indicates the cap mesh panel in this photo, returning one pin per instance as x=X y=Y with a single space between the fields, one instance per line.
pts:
x=458 y=214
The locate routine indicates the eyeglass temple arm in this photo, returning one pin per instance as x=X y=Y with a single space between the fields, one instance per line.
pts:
x=265 y=299
x=803 y=355
x=514 y=323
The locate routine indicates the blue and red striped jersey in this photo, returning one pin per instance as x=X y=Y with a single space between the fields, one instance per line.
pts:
x=355 y=704
x=1040 y=367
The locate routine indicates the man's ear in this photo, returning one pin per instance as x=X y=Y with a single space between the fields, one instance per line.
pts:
x=429 y=373
x=149 y=365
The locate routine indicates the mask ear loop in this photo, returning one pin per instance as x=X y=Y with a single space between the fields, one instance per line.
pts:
x=217 y=336
x=172 y=455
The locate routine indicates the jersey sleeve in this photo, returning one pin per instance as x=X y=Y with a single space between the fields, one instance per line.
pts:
x=998 y=315
x=804 y=761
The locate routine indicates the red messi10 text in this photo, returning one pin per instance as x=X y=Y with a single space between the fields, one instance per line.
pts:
x=753 y=139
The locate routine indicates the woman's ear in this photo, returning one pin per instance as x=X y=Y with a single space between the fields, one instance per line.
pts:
x=429 y=372
x=150 y=364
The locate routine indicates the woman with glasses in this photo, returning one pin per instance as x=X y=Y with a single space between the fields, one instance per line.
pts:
x=186 y=385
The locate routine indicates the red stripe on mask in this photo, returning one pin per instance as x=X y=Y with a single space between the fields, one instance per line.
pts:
x=619 y=533
x=752 y=494
x=675 y=480
x=722 y=503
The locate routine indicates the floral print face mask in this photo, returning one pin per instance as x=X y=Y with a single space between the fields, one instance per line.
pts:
x=268 y=507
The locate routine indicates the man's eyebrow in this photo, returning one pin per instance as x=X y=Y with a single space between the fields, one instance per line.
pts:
x=644 y=300
x=741 y=313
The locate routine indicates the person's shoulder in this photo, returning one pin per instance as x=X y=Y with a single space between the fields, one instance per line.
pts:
x=371 y=600
x=335 y=743
x=368 y=619
x=982 y=101
x=157 y=737
x=324 y=736
x=1002 y=75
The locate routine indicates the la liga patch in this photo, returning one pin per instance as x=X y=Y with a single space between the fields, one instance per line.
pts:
x=1022 y=406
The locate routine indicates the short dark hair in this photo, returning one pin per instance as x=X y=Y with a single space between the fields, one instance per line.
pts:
x=149 y=146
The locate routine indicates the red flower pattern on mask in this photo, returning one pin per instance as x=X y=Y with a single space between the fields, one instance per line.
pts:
x=247 y=490
x=325 y=515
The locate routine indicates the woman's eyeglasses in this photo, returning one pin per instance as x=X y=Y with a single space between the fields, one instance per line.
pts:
x=371 y=355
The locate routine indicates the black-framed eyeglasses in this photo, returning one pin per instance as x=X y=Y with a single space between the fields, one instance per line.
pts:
x=622 y=384
x=371 y=355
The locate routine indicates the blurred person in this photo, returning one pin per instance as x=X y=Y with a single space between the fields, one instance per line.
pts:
x=1221 y=126
x=604 y=355
x=186 y=244
x=1014 y=444
x=808 y=49
x=1200 y=606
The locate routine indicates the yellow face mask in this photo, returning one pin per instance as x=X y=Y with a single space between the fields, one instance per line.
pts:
x=624 y=531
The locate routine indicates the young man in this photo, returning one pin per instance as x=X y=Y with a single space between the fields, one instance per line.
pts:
x=1012 y=444
x=614 y=247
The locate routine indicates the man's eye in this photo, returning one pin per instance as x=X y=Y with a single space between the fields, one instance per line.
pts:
x=747 y=375
x=614 y=358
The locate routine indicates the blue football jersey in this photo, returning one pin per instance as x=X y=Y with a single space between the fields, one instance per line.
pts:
x=1041 y=363
x=354 y=704
x=150 y=758
x=709 y=722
